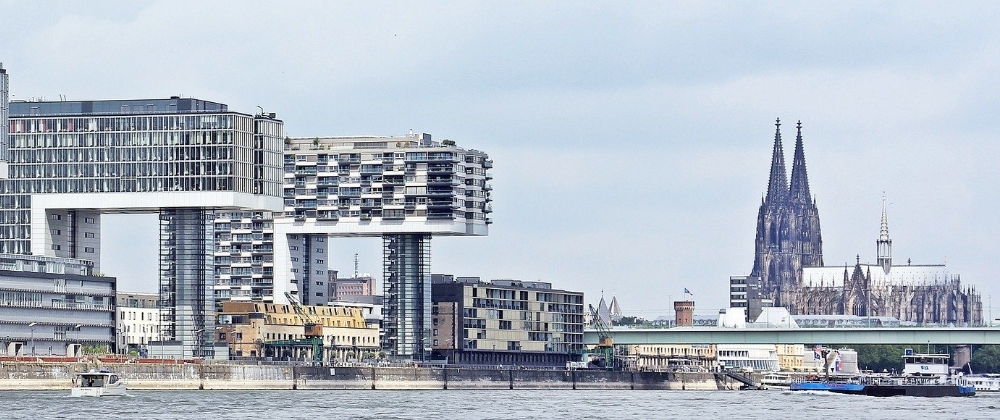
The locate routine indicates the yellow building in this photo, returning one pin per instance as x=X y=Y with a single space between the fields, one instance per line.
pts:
x=668 y=357
x=790 y=357
x=258 y=329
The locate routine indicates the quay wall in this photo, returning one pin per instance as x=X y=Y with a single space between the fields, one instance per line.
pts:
x=55 y=376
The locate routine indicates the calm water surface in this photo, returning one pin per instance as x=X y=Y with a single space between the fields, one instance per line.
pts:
x=502 y=404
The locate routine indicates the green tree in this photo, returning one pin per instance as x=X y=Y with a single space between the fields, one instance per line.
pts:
x=986 y=359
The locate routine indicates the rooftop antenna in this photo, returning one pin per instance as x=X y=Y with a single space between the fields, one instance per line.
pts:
x=261 y=109
x=356 y=274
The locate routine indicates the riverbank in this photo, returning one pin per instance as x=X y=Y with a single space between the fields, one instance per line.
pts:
x=179 y=376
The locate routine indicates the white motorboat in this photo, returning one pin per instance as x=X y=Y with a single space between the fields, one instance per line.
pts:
x=776 y=381
x=98 y=384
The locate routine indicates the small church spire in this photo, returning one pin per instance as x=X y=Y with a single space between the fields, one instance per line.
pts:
x=884 y=244
x=799 y=190
x=777 y=184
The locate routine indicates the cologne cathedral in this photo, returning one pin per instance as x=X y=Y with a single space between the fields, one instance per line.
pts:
x=789 y=270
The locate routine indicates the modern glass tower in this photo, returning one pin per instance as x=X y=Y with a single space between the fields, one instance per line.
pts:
x=71 y=161
x=4 y=113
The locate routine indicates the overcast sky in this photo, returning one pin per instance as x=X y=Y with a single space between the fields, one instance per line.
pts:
x=631 y=140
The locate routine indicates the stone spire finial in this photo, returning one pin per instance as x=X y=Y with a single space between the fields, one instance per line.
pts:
x=777 y=184
x=799 y=189
x=884 y=244
x=884 y=233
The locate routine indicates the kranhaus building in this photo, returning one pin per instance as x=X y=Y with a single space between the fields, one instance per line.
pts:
x=68 y=162
x=402 y=189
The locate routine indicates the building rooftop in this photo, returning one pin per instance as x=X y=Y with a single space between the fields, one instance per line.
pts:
x=170 y=105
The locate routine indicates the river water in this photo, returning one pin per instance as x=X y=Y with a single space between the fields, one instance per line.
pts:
x=493 y=404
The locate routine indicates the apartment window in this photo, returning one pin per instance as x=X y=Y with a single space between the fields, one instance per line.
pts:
x=89 y=220
x=56 y=247
x=57 y=232
x=319 y=250
x=295 y=270
x=56 y=217
x=293 y=248
x=435 y=331
x=89 y=234
x=89 y=250
x=319 y=271
x=435 y=342
x=319 y=239
x=319 y=294
x=295 y=259
x=319 y=261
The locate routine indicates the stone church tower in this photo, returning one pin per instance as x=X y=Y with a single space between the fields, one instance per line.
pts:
x=788 y=231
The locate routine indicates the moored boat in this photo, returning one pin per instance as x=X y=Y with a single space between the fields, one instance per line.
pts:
x=987 y=383
x=98 y=384
x=924 y=375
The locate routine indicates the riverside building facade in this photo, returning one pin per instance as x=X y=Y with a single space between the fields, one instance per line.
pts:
x=138 y=317
x=259 y=329
x=53 y=306
x=183 y=158
x=505 y=322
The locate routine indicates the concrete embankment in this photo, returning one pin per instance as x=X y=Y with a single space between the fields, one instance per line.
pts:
x=53 y=376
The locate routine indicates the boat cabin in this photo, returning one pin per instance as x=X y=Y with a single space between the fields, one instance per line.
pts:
x=97 y=379
x=918 y=364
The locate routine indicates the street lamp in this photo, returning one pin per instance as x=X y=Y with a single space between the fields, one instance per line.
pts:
x=32 y=325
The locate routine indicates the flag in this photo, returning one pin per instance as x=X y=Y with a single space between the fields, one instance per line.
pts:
x=817 y=353
x=688 y=292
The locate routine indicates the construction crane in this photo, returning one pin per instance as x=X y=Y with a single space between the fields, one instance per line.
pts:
x=605 y=344
x=313 y=330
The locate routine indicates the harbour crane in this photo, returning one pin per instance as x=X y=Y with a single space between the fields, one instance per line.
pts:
x=313 y=330
x=605 y=344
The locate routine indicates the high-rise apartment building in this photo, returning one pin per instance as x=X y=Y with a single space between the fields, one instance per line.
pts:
x=184 y=158
x=403 y=189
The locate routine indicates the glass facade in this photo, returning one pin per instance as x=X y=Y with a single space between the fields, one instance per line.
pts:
x=407 y=296
x=186 y=270
x=132 y=146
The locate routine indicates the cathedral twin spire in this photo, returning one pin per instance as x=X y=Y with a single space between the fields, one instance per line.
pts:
x=778 y=188
x=788 y=229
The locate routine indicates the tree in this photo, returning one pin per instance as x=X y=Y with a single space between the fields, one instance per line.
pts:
x=986 y=359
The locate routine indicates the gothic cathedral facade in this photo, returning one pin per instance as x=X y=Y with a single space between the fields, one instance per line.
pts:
x=788 y=264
